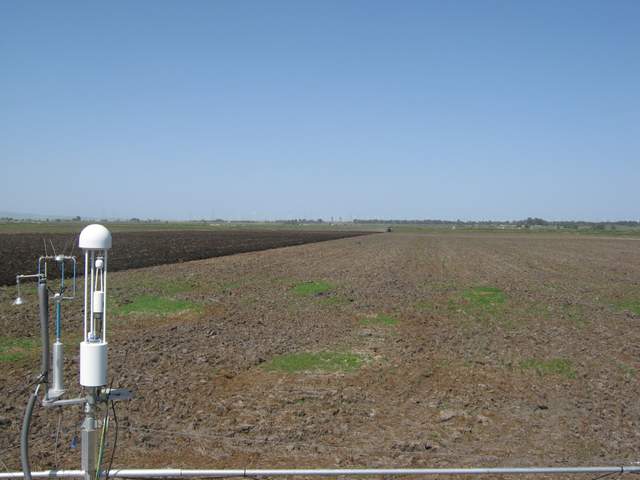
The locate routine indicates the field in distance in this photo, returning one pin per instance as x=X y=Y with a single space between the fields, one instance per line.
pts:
x=570 y=228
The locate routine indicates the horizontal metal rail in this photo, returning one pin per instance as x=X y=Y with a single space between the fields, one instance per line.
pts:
x=328 y=472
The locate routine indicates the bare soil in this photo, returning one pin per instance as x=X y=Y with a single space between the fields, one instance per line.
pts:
x=20 y=251
x=451 y=383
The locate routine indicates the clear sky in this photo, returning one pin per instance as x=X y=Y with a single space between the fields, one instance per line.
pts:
x=451 y=109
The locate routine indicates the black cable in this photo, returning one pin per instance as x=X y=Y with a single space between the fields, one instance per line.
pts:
x=104 y=426
x=104 y=422
x=608 y=475
x=115 y=439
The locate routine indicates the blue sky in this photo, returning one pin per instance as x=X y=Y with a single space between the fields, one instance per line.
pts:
x=451 y=109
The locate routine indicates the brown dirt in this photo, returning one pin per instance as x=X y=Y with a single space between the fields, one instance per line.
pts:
x=20 y=251
x=447 y=386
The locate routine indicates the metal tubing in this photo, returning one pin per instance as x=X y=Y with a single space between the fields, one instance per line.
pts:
x=65 y=402
x=88 y=437
x=57 y=387
x=19 y=300
x=104 y=307
x=58 y=306
x=44 y=474
x=92 y=322
x=58 y=320
x=75 y=265
x=43 y=300
x=86 y=272
x=189 y=473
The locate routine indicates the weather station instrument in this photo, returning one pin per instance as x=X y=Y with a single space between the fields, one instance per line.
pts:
x=95 y=242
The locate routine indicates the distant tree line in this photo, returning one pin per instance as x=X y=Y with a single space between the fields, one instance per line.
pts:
x=528 y=222
x=299 y=221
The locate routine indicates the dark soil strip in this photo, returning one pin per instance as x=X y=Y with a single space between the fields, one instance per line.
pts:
x=20 y=252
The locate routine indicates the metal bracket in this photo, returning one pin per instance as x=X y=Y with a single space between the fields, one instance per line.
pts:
x=115 y=394
x=64 y=402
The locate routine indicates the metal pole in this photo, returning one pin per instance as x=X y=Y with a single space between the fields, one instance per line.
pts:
x=88 y=437
x=43 y=301
x=335 y=472
x=92 y=328
x=104 y=307
x=57 y=388
x=86 y=272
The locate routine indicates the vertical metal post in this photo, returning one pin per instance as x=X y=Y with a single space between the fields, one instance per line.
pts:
x=104 y=307
x=89 y=436
x=92 y=321
x=86 y=312
x=43 y=301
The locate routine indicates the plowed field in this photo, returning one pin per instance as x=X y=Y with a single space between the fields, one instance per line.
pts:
x=19 y=252
x=382 y=350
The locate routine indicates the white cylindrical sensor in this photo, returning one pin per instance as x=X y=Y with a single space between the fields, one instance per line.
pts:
x=57 y=388
x=93 y=364
x=98 y=301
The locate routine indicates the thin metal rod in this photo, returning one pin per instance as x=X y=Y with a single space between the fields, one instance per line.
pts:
x=86 y=271
x=65 y=402
x=34 y=275
x=75 y=268
x=58 y=306
x=104 y=298
x=58 y=321
x=190 y=473
x=92 y=327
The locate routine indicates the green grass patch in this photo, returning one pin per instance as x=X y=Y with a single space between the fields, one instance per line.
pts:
x=176 y=286
x=481 y=307
x=156 y=305
x=379 y=319
x=485 y=297
x=555 y=366
x=309 y=289
x=315 y=362
x=14 y=349
x=631 y=305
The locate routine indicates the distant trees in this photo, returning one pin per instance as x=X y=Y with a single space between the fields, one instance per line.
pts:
x=535 y=221
x=299 y=221
x=529 y=222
